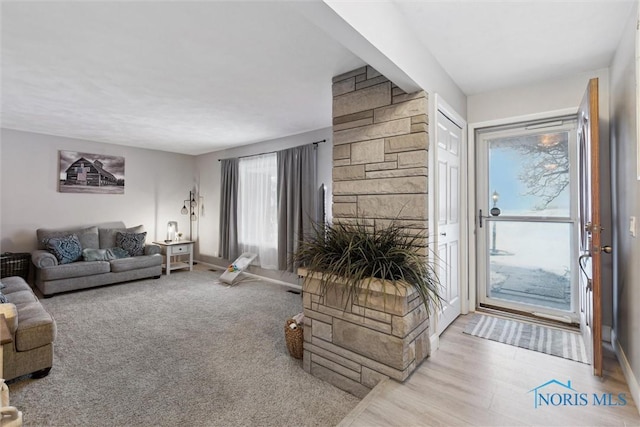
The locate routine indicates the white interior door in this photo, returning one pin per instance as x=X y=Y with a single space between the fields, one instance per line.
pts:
x=447 y=218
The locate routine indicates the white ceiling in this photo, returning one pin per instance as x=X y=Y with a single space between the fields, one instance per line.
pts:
x=195 y=77
x=489 y=45
x=174 y=76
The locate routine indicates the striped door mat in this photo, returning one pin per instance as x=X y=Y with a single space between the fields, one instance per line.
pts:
x=556 y=342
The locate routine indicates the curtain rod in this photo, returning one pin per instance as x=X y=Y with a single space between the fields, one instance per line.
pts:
x=268 y=152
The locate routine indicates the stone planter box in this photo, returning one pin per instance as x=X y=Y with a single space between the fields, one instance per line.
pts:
x=355 y=344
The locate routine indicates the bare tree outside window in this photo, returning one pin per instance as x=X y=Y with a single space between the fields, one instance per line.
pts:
x=544 y=165
x=546 y=169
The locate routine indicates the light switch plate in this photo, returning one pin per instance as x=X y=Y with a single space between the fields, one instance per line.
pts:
x=632 y=226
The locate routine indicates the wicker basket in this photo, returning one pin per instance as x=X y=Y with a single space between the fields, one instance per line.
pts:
x=294 y=339
x=15 y=264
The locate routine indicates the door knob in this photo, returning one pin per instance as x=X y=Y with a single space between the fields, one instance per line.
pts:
x=606 y=249
x=443 y=234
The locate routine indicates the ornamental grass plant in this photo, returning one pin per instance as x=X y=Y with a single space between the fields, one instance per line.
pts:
x=354 y=254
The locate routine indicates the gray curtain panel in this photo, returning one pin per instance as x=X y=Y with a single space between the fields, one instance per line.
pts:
x=228 y=246
x=297 y=207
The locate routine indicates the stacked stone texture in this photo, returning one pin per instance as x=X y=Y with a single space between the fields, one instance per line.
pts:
x=355 y=344
x=380 y=144
x=380 y=149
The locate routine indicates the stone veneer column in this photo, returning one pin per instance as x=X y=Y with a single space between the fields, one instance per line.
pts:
x=379 y=174
x=380 y=151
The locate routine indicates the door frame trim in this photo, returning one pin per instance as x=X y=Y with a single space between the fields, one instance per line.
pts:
x=440 y=105
x=472 y=269
x=568 y=124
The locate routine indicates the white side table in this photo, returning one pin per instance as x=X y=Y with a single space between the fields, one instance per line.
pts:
x=173 y=251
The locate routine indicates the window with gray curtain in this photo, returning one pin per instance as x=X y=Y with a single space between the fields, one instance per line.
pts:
x=297 y=205
x=228 y=246
x=296 y=197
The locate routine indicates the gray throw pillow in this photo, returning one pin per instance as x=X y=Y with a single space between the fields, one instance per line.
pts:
x=66 y=249
x=89 y=254
x=131 y=242
x=117 y=253
x=103 y=254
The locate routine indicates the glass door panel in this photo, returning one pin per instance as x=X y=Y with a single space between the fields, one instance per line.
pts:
x=530 y=174
x=530 y=263
x=527 y=211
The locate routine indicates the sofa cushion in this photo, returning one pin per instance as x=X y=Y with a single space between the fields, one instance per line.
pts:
x=66 y=249
x=103 y=254
x=107 y=236
x=76 y=269
x=88 y=236
x=133 y=243
x=35 y=327
x=127 y=264
x=14 y=284
x=22 y=297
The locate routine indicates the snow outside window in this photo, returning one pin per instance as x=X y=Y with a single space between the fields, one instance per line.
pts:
x=258 y=208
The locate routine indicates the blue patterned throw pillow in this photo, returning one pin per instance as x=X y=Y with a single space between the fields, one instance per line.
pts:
x=3 y=299
x=66 y=249
x=133 y=243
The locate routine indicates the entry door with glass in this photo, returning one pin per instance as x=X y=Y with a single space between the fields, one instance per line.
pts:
x=527 y=216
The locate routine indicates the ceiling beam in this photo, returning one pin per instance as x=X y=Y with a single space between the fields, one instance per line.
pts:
x=331 y=22
x=377 y=32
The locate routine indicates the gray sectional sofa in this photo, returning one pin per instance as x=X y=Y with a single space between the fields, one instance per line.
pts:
x=52 y=276
x=32 y=329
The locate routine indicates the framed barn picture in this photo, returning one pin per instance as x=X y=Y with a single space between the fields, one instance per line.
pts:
x=90 y=173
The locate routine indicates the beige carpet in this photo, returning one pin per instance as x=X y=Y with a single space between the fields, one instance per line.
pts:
x=178 y=351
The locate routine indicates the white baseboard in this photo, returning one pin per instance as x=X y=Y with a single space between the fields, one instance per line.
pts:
x=632 y=382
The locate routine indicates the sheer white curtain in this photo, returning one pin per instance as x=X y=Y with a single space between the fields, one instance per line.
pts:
x=258 y=208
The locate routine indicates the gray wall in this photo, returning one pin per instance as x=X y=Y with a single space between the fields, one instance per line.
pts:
x=156 y=184
x=626 y=202
x=559 y=96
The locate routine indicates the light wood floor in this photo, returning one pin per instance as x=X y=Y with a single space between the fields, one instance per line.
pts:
x=475 y=381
